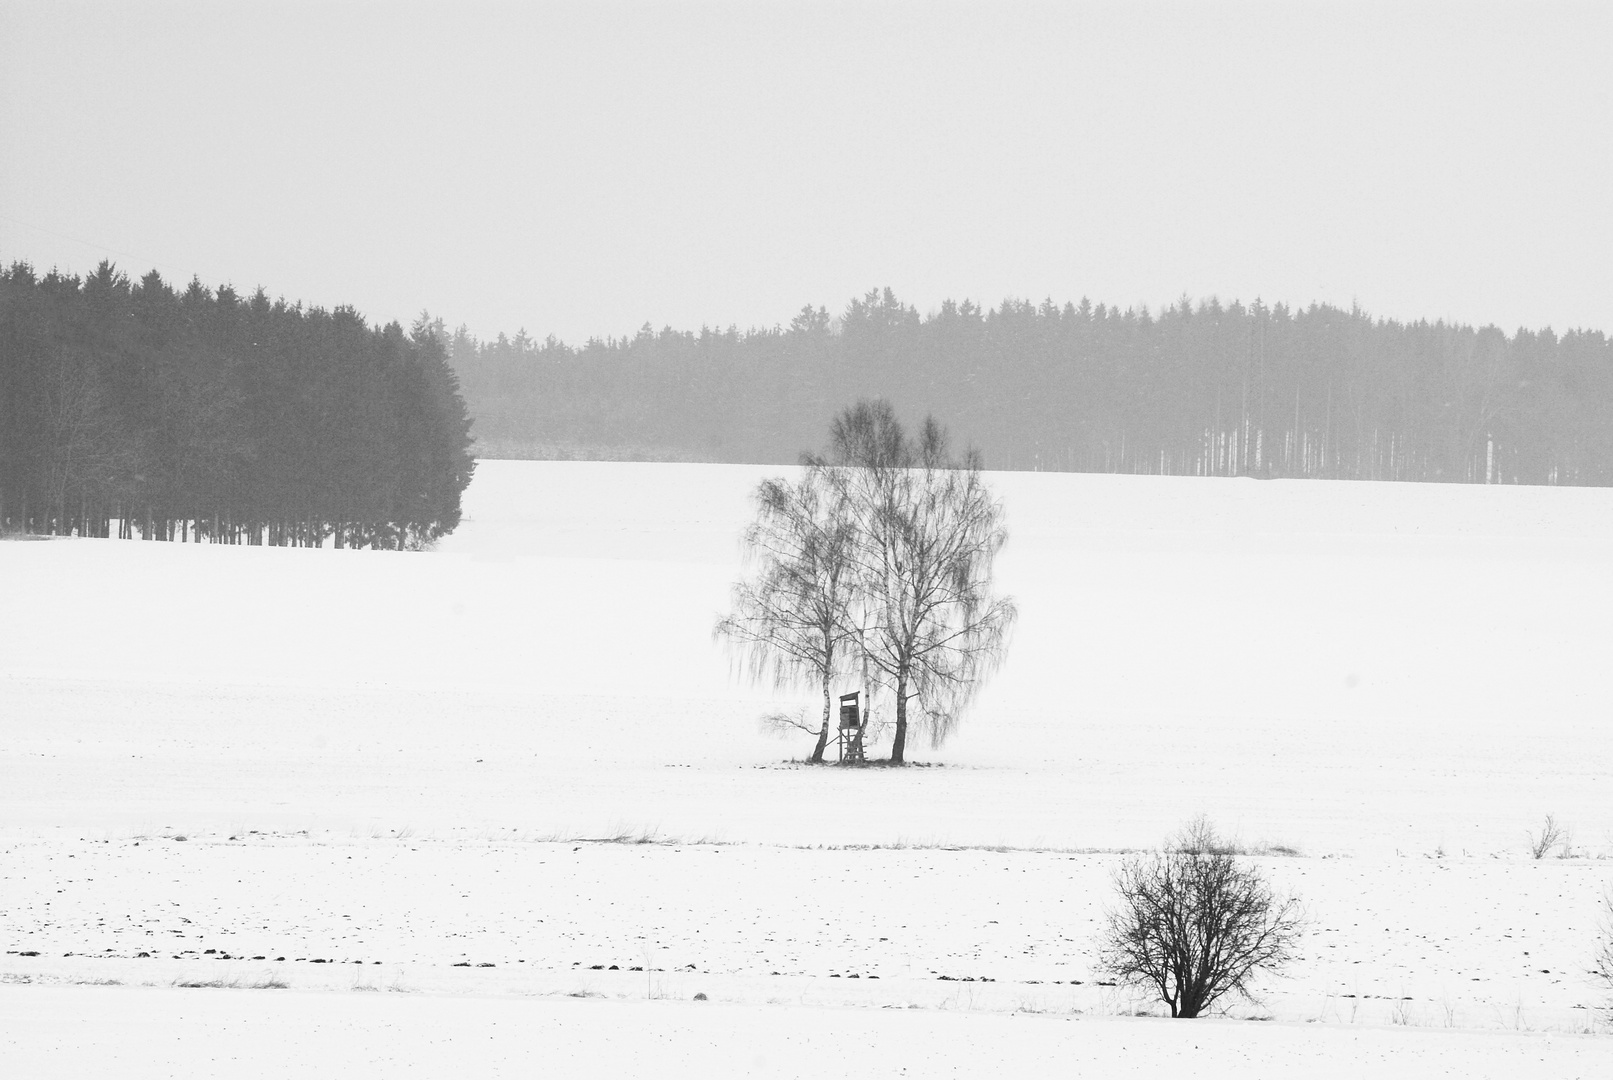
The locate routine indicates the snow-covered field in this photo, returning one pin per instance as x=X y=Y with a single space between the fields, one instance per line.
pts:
x=403 y=764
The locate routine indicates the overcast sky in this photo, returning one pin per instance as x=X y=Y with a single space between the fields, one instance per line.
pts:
x=581 y=169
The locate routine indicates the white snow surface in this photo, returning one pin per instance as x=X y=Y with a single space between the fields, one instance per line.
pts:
x=128 y=1033
x=402 y=763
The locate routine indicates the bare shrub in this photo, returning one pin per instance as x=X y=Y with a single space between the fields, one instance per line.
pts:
x=1199 y=837
x=1550 y=836
x=1195 y=926
x=1602 y=965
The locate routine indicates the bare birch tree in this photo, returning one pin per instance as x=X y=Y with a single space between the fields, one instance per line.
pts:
x=927 y=532
x=789 y=621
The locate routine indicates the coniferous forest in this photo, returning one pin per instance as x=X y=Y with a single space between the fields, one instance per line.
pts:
x=1194 y=389
x=135 y=410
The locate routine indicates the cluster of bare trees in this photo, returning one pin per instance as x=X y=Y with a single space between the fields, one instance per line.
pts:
x=875 y=565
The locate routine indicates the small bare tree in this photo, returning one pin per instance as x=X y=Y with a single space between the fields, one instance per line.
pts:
x=1551 y=835
x=1195 y=926
x=927 y=532
x=789 y=623
x=1199 y=837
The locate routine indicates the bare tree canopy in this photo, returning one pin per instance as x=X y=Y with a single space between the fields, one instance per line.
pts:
x=928 y=532
x=789 y=621
x=881 y=556
x=1194 y=926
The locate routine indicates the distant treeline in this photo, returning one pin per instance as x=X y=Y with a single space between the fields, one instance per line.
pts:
x=137 y=410
x=1201 y=389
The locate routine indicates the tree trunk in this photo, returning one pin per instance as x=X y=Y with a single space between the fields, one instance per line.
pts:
x=899 y=745
x=823 y=730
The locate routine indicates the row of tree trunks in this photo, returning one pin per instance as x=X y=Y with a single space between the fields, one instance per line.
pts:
x=108 y=523
x=1372 y=454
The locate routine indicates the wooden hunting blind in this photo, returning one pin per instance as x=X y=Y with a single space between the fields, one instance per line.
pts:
x=852 y=723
